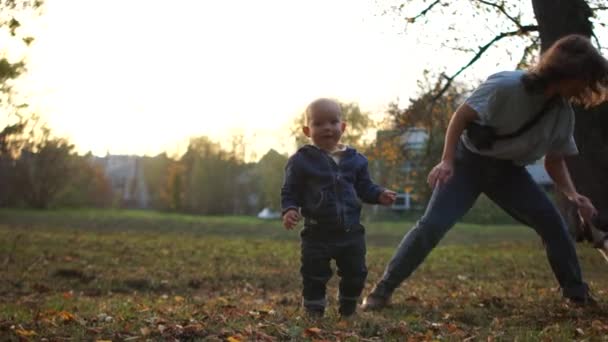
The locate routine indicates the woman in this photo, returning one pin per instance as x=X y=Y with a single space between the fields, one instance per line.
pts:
x=530 y=113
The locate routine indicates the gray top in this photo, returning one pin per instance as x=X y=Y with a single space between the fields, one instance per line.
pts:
x=503 y=103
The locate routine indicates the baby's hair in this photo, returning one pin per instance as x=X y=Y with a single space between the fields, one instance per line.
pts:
x=322 y=104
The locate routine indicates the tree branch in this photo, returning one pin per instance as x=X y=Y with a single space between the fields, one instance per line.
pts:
x=527 y=51
x=480 y=52
x=597 y=40
x=502 y=9
x=424 y=12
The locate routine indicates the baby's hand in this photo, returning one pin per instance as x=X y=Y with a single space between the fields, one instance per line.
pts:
x=291 y=218
x=387 y=197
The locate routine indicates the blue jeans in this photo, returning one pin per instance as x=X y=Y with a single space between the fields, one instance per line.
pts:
x=512 y=188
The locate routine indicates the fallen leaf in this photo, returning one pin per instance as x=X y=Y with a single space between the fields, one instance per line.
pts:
x=193 y=327
x=178 y=299
x=452 y=327
x=343 y=324
x=598 y=326
x=313 y=331
x=66 y=316
x=233 y=339
x=25 y=333
x=145 y=331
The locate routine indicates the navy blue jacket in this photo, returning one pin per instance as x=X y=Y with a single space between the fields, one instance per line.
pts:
x=328 y=193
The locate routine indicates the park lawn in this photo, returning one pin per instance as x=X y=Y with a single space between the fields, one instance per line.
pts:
x=133 y=275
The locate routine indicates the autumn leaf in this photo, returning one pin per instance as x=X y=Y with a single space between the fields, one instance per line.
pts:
x=343 y=324
x=66 y=316
x=193 y=328
x=313 y=331
x=25 y=333
x=233 y=339
x=145 y=331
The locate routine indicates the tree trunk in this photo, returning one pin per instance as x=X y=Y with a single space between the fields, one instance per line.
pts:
x=558 y=18
x=589 y=169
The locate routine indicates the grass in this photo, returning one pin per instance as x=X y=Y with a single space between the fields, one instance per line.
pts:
x=133 y=275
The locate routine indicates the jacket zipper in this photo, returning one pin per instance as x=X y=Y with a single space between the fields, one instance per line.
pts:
x=339 y=210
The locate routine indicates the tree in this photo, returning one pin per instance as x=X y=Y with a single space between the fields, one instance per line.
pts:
x=44 y=167
x=209 y=179
x=269 y=173
x=155 y=170
x=172 y=190
x=554 y=19
x=589 y=169
x=406 y=167
x=12 y=136
x=88 y=185
x=12 y=66
x=358 y=124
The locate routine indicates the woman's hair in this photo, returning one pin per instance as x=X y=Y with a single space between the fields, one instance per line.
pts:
x=572 y=57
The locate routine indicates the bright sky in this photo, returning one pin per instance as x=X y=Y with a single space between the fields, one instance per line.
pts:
x=141 y=77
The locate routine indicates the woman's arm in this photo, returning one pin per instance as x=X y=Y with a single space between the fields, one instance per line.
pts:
x=558 y=171
x=442 y=172
x=459 y=121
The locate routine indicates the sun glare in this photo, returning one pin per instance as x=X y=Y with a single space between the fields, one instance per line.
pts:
x=142 y=77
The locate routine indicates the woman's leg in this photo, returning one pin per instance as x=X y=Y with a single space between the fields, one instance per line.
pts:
x=515 y=191
x=448 y=203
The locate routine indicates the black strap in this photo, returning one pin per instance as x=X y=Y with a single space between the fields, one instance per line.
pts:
x=548 y=104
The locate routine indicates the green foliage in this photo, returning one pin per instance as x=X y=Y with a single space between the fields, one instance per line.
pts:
x=88 y=186
x=40 y=170
x=269 y=174
x=426 y=113
x=11 y=13
x=210 y=180
x=156 y=172
x=132 y=275
x=44 y=168
x=9 y=71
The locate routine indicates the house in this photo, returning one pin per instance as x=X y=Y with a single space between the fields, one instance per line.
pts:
x=126 y=176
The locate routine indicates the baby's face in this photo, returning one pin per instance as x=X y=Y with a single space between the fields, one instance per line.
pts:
x=325 y=127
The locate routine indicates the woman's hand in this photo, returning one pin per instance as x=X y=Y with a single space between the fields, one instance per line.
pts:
x=387 y=197
x=440 y=174
x=291 y=219
x=585 y=208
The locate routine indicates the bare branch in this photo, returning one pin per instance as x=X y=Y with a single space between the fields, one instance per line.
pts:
x=597 y=40
x=424 y=12
x=502 y=9
x=599 y=8
x=527 y=52
x=480 y=52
